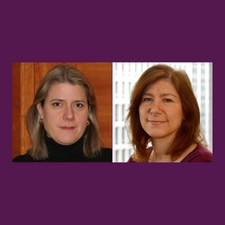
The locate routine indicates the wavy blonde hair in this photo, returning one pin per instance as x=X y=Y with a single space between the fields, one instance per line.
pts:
x=62 y=74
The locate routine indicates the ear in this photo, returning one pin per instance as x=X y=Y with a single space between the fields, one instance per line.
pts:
x=40 y=110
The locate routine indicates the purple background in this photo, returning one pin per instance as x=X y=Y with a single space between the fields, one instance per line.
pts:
x=117 y=193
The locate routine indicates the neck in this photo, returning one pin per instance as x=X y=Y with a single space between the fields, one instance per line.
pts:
x=64 y=152
x=160 y=148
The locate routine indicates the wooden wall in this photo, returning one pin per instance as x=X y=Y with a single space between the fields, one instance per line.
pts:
x=26 y=77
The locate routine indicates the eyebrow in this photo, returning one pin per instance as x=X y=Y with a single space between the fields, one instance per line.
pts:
x=61 y=100
x=162 y=95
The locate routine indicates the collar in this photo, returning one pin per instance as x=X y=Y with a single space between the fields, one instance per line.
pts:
x=64 y=152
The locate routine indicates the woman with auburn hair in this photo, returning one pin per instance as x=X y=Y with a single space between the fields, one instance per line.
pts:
x=163 y=111
x=62 y=121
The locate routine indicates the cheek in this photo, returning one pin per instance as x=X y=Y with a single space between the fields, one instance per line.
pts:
x=82 y=118
x=51 y=119
x=142 y=116
x=50 y=116
x=143 y=112
x=50 y=122
x=177 y=116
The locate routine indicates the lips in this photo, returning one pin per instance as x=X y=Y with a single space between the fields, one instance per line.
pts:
x=67 y=128
x=153 y=122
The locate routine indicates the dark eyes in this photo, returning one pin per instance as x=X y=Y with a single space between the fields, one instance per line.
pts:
x=60 y=104
x=56 y=104
x=79 y=105
x=150 y=99
x=167 y=100
x=147 y=99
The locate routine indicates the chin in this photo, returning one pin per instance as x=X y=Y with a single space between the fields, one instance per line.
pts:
x=154 y=135
x=67 y=141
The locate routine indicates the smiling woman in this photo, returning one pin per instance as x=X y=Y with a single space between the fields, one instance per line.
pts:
x=62 y=121
x=164 y=112
x=165 y=108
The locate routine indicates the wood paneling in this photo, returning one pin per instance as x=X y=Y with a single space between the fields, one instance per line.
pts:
x=27 y=77
x=27 y=95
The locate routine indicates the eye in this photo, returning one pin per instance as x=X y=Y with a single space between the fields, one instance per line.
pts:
x=147 y=99
x=79 y=105
x=167 y=100
x=57 y=104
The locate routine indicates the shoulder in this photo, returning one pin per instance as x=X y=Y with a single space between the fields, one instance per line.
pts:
x=23 y=158
x=26 y=158
x=105 y=155
x=199 y=154
x=131 y=160
x=135 y=158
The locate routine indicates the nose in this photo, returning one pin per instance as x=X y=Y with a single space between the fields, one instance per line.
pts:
x=155 y=108
x=68 y=113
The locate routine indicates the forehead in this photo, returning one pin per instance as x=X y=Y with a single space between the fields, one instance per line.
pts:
x=65 y=90
x=161 y=87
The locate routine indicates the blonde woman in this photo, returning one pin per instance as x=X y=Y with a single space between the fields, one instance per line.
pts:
x=62 y=120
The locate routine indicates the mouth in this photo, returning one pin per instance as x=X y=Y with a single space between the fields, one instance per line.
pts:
x=156 y=122
x=67 y=128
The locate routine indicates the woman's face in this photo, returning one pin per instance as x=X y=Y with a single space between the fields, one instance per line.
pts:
x=65 y=113
x=160 y=110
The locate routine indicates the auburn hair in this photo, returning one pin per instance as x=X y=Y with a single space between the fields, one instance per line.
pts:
x=190 y=130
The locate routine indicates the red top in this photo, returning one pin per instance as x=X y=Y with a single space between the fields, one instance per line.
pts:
x=199 y=154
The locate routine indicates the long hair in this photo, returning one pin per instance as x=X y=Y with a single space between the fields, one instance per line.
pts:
x=62 y=74
x=190 y=130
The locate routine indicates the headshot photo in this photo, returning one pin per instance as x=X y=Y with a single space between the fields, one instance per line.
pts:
x=62 y=112
x=162 y=112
